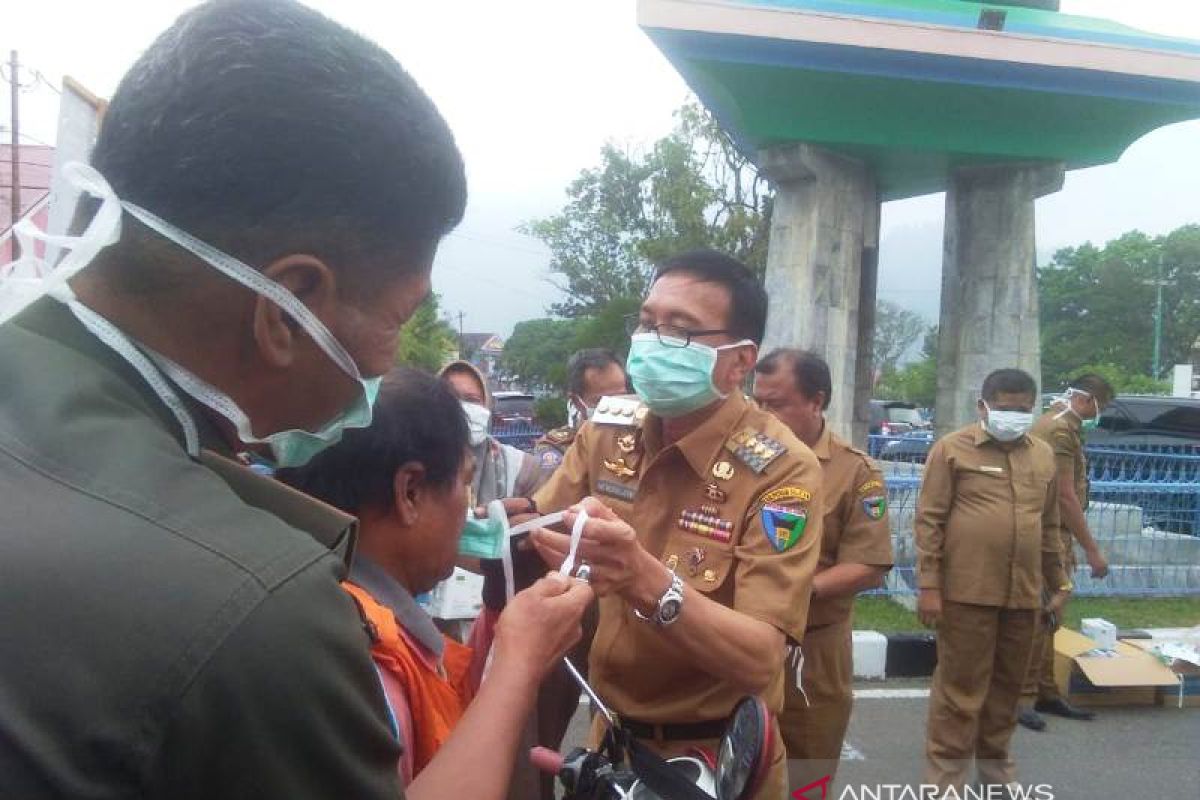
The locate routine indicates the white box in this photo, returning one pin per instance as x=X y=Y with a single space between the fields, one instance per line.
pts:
x=458 y=597
x=870 y=655
x=1103 y=632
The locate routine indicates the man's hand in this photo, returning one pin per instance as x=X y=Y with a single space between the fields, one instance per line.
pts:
x=540 y=625
x=1053 y=610
x=610 y=547
x=1097 y=562
x=929 y=607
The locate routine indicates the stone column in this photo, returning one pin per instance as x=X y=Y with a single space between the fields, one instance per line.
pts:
x=824 y=233
x=989 y=316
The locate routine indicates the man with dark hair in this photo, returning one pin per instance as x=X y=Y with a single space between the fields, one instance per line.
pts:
x=705 y=517
x=268 y=194
x=988 y=553
x=592 y=374
x=1064 y=427
x=406 y=479
x=856 y=553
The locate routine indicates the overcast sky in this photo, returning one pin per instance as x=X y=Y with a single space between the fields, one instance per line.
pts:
x=533 y=89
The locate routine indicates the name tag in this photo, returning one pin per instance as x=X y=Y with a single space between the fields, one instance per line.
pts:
x=617 y=490
x=994 y=470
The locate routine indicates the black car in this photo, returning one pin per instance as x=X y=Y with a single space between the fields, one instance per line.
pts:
x=1136 y=421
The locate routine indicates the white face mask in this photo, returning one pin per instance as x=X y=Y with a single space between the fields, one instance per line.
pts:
x=1007 y=426
x=479 y=420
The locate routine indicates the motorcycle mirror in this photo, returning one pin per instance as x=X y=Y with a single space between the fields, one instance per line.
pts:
x=744 y=751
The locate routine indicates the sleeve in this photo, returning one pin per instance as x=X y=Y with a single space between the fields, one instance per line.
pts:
x=570 y=483
x=289 y=705
x=866 y=534
x=773 y=579
x=933 y=512
x=530 y=476
x=1052 y=555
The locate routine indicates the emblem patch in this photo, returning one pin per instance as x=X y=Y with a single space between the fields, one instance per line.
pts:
x=783 y=525
x=875 y=507
x=551 y=458
x=617 y=490
x=874 y=483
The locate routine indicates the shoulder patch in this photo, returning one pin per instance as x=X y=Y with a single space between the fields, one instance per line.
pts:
x=755 y=450
x=550 y=458
x=875 y=507
x=872 y=486
x=783 y=525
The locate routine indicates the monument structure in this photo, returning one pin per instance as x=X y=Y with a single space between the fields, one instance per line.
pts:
x=844 y=104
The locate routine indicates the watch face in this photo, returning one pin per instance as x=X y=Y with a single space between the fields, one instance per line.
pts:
x=669 y=610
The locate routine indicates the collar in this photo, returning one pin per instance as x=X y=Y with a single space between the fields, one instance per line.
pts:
x=823 y=449
x=390 y=592
x=702 y=446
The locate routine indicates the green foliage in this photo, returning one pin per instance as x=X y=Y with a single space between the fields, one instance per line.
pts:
x=915 y=383
x=896 y=329
x=426 y=342
x=692 y=189
x=538 y=350
x=607 y=328
x=550 y=412
x=1097 y=304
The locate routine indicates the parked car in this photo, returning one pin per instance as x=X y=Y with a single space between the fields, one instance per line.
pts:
x=1145 y=420
x=894 y=418
x=512 y=408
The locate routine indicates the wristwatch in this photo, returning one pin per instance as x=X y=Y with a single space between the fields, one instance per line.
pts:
x=669 y=605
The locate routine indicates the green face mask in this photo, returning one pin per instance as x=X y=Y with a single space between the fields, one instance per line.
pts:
x=484 y=538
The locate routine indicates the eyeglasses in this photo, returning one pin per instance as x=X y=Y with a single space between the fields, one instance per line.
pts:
x=669 y=335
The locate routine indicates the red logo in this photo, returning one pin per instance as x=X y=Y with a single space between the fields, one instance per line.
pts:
x=801 y=794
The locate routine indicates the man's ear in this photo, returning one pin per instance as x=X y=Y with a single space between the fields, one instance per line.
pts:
x=409 y=487
x=313 y=284
x=743 y=361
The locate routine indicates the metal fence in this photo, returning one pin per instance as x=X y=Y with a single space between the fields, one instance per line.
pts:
x=1144 y=512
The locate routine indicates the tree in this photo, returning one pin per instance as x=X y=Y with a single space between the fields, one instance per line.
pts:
x=896 y=329
x=692 y=189
x=1098 y=304
x=426 y=341
x=538 y=350
x=915 y=383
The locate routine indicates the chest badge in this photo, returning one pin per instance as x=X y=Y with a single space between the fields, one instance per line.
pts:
x=715 y=493
x=705 y=522
x=627 y=443
x=695 y=557
x=619 y=468
x=783 y=525
x=722 y=470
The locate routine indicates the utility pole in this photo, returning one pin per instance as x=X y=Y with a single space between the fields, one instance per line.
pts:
x=461 y=343
x=14 y=154
x=1158 y=315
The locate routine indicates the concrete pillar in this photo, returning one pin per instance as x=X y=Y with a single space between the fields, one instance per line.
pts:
x=824 y=235
x=989 y=316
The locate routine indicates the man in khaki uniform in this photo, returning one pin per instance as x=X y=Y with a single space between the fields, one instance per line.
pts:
x=1063 y=428
x=591 y=374
x=706 y=518
x=987 y=544
x=856 y=553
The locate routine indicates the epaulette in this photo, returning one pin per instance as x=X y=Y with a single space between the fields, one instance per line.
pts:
x=562 y=435
x=754 y=449
x=619 y=410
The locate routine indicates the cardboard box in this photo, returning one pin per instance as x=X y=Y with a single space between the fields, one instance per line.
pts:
x=1181 y=654
x=1123 y=675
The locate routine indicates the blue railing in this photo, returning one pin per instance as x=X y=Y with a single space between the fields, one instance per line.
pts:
x=1144 y=511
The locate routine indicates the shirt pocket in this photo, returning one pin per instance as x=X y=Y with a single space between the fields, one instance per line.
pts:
x=982 y=482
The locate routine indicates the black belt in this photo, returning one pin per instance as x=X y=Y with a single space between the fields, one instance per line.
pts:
x=676 y=732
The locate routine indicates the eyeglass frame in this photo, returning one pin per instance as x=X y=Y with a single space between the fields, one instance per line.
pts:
x=634 y=326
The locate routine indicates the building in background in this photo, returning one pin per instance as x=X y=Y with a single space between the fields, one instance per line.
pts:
x=35 y=163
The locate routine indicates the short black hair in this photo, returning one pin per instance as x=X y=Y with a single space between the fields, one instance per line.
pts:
x=264 y=128
x=747 y=297
x=590 y=358
x=1008 y=381
x=417 y=418
x=1095 y=385
x=809 y=369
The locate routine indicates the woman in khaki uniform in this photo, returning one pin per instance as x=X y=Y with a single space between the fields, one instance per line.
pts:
x=987 y=544
x=856 y=553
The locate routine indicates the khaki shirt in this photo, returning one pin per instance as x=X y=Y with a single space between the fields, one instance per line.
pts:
x=987 y=520
x=705 y=511
x=856 y=527
x=1065 y=437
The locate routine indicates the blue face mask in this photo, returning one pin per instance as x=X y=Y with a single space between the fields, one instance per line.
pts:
x=673 y=380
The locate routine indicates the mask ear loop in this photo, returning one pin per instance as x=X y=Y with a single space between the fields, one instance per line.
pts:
x=568 y=566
